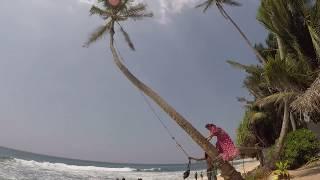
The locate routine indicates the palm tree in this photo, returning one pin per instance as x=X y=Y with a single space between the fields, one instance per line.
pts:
x=284 y=98
x=122 y=10
x=287 y=83
x=278 y=82
x=287 y=20
x=287 y=76
x=219 y=4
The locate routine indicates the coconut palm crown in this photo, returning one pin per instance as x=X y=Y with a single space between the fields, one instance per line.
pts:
x=218 y=3
x=113 y=13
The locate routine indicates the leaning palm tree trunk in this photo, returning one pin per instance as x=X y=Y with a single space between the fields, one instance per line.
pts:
x=293 y=122
x=261 y=59
x=227 y=171
x=283 y=132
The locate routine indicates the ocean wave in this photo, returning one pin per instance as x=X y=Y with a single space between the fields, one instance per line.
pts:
x=66 y=167
x=29 y=169
x=3 y=158
x=151 y=170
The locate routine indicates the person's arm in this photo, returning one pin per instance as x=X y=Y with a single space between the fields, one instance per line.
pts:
x=210 y=137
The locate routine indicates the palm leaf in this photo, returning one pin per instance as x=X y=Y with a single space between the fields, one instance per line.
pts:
x=218 y=3
x=257 y=116
x=206 y=5
x=95 y=10
x=137 y=12
x=276 y=98
x=231 y=3
x=127 y=38
x=98 y=33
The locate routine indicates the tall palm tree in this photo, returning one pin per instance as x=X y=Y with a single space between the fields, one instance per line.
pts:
x=219 y=4
x=278 y=82
x=284 y=98
x=119 y=11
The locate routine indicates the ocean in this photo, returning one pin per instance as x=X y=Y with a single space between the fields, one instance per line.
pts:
x=20 y=165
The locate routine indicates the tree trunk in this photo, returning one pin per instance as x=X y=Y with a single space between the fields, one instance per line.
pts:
x=227 y=171
x=260 y=58
x=293 y=122
x=283 y=132
x=280 y=47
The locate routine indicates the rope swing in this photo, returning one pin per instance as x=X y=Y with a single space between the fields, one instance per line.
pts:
x=157 y=116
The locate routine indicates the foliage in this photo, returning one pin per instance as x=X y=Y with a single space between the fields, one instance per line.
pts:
x=269 y=153
x=286 y=19
x=282 y=171
x=292 y=53
x=218 y=3
x=300 y=147
x=256 y=128
x=259 y=173
x=245 y=137
x=113 y=16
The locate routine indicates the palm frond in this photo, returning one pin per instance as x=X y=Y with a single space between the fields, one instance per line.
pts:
x=257 y=116
x=206 y=5
x=95 y=10
x=127 y=38
x=137 y=12
x=246 y=68
x=201 y=4
x=219 y=3
x=98 y=33
x=231 y=3
x=309 y=101
x=276 y=98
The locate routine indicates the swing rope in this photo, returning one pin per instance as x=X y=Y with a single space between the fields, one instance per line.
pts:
x=163 y=124
x=244 y=170
x=157 y=116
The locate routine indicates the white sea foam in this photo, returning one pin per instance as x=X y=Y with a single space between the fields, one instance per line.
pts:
x=151 y=169
x=65 y=167
x=29 y=169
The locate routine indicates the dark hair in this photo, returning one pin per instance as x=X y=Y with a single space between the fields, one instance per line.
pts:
x=209 y=125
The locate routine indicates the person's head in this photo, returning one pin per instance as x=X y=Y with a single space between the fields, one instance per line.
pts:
x=209 y=126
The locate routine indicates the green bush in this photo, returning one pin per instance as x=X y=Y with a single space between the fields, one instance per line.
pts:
x=282 y=170
x=244 y=136
x=299 y=147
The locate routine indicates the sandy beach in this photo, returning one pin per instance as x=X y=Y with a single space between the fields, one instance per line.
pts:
x=247 y=166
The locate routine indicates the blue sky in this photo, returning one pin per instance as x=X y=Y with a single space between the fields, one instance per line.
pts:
x=61 y=99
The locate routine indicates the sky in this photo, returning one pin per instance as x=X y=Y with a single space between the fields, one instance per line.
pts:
x=61 y=99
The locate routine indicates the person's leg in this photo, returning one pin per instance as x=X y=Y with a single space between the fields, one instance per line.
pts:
x=214 y=172
x=209 y=173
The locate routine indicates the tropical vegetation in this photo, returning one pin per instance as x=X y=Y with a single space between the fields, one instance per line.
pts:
x=282 y=171
x=285 y=89
x=300 y=147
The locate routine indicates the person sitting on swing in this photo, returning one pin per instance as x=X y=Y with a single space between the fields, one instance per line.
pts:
x=211 y=167
x=227 y=150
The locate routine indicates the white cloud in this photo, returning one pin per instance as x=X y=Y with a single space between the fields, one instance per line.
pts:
x=170 y=7
x=87 y=1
